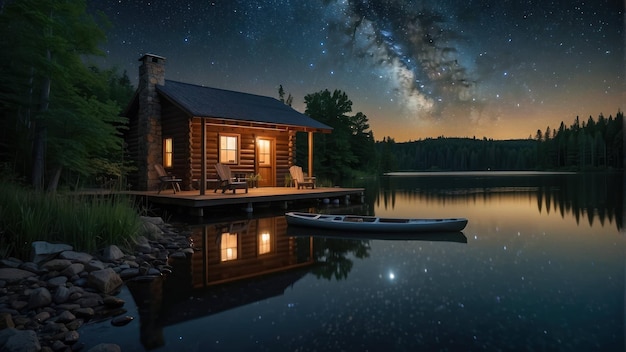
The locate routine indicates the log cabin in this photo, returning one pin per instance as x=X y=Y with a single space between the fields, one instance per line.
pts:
x=189 y=128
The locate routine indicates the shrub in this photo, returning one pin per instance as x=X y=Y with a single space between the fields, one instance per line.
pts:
x=84 y=221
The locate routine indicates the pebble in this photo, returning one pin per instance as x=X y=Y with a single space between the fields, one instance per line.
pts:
x=53 y=297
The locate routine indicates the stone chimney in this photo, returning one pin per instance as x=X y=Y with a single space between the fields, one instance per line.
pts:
x=150 y=152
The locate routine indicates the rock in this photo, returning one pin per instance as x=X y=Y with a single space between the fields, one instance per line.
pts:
x=56 y=264
x=11 y=275
x=105 y=347
x=57 y=281
x=155 y=220
x=42 y=250
x=6 y=320
x=152 y=231
x=143 y=248
x=15 y=340
x=73 y=269
x=11 y=262
x=112 y=253
x=76 y=256
x=121 y=320
x=89 y=301
x=65 y=317
x=94 y=265
x=128 y=273
x=74 y=324
x=86 y=313
x=32 y=267
x=113 y=302
x=105 y=280
x=39 y=297
x=58 y=346
x=71 y=337
x=41 y=317
x=61 y=295
x=19 y=305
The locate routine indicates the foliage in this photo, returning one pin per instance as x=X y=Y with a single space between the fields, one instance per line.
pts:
x=86 y=222
x=457 y=154
x=590 y=145
x=58 y=113
x=349 y=147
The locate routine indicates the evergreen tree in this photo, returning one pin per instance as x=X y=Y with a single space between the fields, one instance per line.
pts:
x=350 y=146
x=62 y=113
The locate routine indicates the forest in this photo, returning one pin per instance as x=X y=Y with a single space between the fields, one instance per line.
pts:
x=596 y=144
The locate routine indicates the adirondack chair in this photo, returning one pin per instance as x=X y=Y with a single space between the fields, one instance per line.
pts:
x=298 y=176
x=167 y=179
x=227 y=181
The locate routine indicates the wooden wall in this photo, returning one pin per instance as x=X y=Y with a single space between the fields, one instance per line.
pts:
x=176 y=125
x=247 y=151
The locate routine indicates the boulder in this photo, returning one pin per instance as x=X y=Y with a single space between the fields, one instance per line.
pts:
x=105 y=280
x=11 y=275
x=76 y=256
x=42 y=250
x=56 y=264
x=39 y=297
x=15 y=340
x=112 y=253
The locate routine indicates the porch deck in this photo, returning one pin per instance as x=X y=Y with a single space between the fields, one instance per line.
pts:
x=195 y=203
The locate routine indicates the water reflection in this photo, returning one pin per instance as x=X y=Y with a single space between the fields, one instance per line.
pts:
x=589 y=196
x=527 y=273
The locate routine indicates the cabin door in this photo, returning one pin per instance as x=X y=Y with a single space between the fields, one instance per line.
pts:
x=266 y=163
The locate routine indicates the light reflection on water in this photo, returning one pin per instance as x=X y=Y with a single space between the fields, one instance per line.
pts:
x=542 y=268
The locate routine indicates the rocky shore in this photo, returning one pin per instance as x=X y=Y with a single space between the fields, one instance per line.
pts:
x=45 y=301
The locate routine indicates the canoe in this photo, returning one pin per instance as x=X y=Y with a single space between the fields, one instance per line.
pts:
x=374 y=223
x=436 y=236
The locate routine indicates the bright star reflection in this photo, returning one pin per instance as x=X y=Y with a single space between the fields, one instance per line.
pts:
x=392 y=276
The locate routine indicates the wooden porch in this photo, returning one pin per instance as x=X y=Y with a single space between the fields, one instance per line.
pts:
x=194 y=203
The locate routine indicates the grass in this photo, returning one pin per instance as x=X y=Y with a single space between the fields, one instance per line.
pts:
x=87 y=223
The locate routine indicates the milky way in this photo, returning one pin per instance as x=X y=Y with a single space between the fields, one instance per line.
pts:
x=417 y=69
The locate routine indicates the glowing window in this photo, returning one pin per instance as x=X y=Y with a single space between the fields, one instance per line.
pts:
x=228 y=247
x=168 y=151
x=265 y=243
x=229 y=149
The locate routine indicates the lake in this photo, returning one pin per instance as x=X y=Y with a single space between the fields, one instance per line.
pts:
x=539 y=267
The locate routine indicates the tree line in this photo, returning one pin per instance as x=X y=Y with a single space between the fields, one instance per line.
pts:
x=591 y=145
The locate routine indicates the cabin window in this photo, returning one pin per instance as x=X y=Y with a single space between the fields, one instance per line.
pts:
x=229 y=149
x=265 y=245
x=228 y=247
x=168 y=151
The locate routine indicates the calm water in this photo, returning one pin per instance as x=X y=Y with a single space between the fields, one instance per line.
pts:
x=539 y=267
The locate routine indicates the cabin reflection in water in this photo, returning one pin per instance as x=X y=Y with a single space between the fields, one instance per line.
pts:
x=243 y=249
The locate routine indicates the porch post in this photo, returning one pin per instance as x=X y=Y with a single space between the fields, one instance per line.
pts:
x=311 y=154
x=203 y=153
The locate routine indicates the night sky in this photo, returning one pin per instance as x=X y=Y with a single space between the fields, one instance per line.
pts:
x=489 y=68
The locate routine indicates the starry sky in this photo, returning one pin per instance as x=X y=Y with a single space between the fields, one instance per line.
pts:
x=417 y=69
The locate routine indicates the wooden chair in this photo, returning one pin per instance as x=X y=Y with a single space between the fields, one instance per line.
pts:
x=227 y=181
x=167 y=179
x=298 y=176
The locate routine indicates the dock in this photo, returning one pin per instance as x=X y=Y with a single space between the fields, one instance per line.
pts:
x=195 y=204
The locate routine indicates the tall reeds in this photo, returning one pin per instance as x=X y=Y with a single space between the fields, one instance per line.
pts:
x=87 y=222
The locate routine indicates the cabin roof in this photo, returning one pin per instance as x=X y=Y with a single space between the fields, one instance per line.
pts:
x=200 y=101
